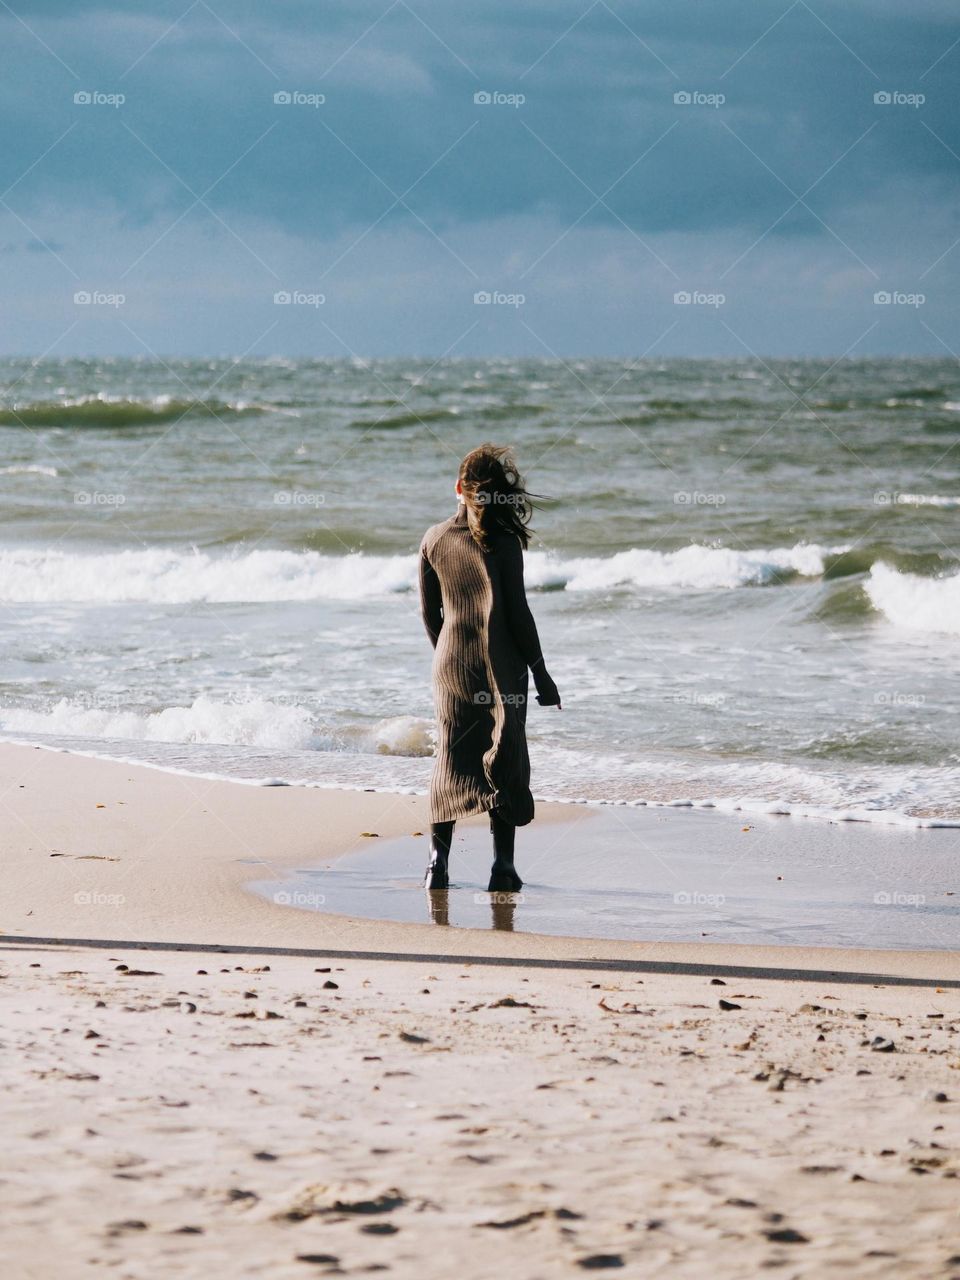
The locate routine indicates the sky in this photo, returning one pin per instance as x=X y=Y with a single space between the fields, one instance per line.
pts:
x=436 y=178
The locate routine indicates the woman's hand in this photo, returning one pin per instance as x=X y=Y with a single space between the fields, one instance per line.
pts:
x=548 y=695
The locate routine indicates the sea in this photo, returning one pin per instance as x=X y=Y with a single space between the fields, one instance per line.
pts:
x=746 y=573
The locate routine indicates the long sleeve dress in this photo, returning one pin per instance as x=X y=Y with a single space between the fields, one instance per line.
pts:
x=475 y=611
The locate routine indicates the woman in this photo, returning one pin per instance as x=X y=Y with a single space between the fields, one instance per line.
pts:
x=476 y=614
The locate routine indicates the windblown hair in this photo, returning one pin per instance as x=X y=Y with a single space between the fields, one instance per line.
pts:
x=496 y=498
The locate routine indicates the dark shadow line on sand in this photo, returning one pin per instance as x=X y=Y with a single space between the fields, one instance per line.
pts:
x=702 y=970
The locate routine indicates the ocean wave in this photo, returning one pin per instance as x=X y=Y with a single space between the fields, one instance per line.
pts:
x=916 y=798
x=116 y=411
x=170 y=576
x=411 y=419
x=28 y=468
x=915 y=603
x=251 y=722
x=258 y=722
x=696 y=567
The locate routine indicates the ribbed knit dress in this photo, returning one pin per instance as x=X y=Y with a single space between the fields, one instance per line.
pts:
x=475 y=611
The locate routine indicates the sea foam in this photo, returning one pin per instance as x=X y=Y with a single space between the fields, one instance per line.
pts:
x=250 y=722
x=172 y=576
x=918 y=604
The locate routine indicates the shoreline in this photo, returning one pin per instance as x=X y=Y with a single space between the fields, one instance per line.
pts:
x=168 y=859
x=746 y=807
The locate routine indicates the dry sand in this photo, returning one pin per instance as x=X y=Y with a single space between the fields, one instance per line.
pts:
x=478 y=1104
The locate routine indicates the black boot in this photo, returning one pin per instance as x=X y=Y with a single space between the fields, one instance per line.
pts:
x=441 y=835
x=503 y=874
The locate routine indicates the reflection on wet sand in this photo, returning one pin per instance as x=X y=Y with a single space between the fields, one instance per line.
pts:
x=503 y=907
x=438 y=905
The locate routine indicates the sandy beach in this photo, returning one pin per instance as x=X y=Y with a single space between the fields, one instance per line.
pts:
x=200 y=1081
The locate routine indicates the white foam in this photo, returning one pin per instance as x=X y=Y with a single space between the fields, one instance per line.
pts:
x=28 y=468
x=171 y=576
x=401 y=736
x=698 y=567
x=249 y=722
x=913 y=602
x=256 y=722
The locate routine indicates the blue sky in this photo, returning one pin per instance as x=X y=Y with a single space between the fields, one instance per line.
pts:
x=782 y=197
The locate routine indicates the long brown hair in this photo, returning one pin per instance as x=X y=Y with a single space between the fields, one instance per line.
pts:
x=495 y=495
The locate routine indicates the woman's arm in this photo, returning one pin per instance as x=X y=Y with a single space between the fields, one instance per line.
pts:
x=520 y=620
x=431 y=600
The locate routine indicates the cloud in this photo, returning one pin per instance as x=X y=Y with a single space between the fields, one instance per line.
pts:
x=796 y=155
